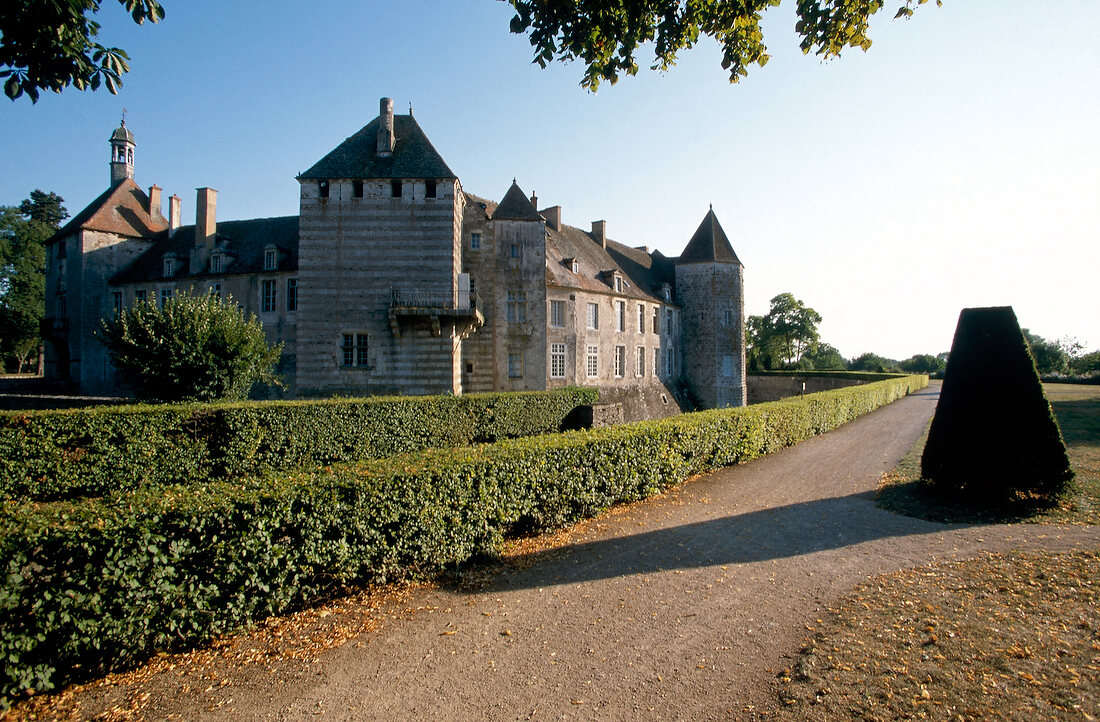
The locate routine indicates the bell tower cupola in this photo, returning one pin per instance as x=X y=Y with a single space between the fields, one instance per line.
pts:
x=122 y=154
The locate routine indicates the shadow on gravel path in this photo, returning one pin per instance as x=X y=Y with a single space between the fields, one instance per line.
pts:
x=763 y=535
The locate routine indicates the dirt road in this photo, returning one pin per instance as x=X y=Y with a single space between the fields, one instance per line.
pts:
x=680 y=607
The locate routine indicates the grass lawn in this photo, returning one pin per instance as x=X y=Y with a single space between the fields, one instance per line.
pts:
x=1004 y=636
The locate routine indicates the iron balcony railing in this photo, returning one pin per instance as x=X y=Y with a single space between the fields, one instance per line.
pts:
x=452 y=301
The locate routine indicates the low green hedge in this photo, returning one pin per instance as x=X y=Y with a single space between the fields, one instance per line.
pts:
x=97 y=584
x=852 y=375
x=54 y=455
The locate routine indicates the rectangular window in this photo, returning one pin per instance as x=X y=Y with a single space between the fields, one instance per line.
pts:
x=353 y=349
x=668 y=320
x=322 y=188
x=116 y=297
x=620 y=361
x=139 y=295
x=475 y=241
x=593 y=361
x=557 y=360
x=517 y=306
x=292 y=294
x=169 y=266
x=361 y=348
x=557 y=313
x=641 y=318
x=216 y=262
x=656 y=319
x=216 y=290
x=640 y=371
x=348 y=348
x=670 y=364
x=515 y=364
x=727 y=317
x=271 y=259
x=618 y=285
x=656 y=362
x=593 y=316
x=267 y=297
x=395 y=188
x=429 y=189
x=620 y=315
x=727 y=365
x=165 y=294
x=357 y=188
x=514 y=250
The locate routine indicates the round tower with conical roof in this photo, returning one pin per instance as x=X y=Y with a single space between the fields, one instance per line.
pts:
x=122 y=154
x=710 y=290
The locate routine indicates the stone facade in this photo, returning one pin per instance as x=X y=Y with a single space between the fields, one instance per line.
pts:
x=394 y=279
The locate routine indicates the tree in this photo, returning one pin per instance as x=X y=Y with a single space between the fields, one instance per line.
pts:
x=824 y=357
x=195 y=348
x=606 y=34
x=50 y=44
x=1051 y=357
x=873 y=362
x=780 y=338
x=922 y=363
x=23 y=231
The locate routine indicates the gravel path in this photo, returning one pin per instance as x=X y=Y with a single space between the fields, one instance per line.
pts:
x=681 y=607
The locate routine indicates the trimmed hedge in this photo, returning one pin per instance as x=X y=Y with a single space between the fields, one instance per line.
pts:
x=55 y=455
x=99 y=584
x=853 y=375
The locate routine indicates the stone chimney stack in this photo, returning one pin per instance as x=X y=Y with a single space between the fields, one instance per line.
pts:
x=534 y=200
x=154 y=202
x=553 y=217
x=599 y=230
x=385 y=128
x=206 y=228
x=173 y=214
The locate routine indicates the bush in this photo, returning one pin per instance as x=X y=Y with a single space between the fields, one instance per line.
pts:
x=194 y=348
x=95 y=585
x=54 y=455
x=994 y=438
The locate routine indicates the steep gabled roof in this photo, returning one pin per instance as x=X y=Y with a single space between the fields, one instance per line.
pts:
x=515 y=206
x=243 y=243
x=413 y=155
x=121 y=209
x=644 y=272
x=709 y=244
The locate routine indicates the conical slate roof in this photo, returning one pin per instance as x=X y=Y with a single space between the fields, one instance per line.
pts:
x=709 y=244
x=515 y=206
x=413 y=155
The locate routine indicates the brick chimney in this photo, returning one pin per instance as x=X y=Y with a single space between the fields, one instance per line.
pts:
x=154 y=202
x=599 y=231
x=173 y=214
x=206 y=228
x=385 y=138
x=553 y=217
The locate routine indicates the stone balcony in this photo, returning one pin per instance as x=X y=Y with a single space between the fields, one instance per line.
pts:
x=460 y=309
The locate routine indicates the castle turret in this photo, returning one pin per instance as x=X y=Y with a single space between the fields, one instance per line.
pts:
x=122 y=154
x=709 y=288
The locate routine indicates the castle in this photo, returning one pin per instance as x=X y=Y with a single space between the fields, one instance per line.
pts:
x=393 y=279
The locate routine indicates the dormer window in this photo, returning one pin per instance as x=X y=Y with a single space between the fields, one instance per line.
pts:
x=271 y=259
x=169 y=266
x=217 y=263
x=618 y=284
x=576 y=266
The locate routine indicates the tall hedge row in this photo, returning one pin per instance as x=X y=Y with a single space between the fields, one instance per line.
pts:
x=96 y=584
x=55 y=455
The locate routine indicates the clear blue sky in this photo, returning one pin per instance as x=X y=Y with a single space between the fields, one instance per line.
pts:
x=956 y=163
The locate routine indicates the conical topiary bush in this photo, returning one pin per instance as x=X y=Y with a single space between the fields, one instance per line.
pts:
x=994 y=438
